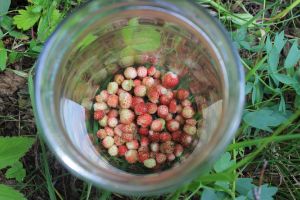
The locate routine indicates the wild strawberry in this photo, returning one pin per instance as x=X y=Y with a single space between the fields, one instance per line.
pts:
x=101 y=134
x=170 y=157
x=186 y=103
x=157 y=125
x=164 y=100
x=173 y=106
x=179 y=108
x=167 y=147
x=176 y=136
x=127 y=137
x=169 y=117
x=112 y=122
x=151 y=107
x=109 y=131
x=126 y=116
x=161 y=158
x=157 y=74
x=162 y=90
x=143 y=131
x=189 y=129
x=143 y=148
x=165 y=136
x=122 y=149
x=119 y=78
x=112 y=87
x=152 y=154
x=153 y=136
x=102 y=97
x=112 y=101
x=191 y=122
x=162 y=111
x=142 y=71
x=173 y=125
x=103 y=121
x=130 y=73
x=150 y=163
x=118 y=130
x=178 y=150
x=112 y=113
x=144 y=120
x=187 y=112
x=127 y=85
x=118 y=140
x=144 y=141
x=143 y=156
x=148 y=81
x=140 y=90
x=153 y=94
x=140 y=109
x=100 y=106
x=134 y=144
x=180 y=119
x=107 y=142
x=151 y=71
x=129 y=128
x=99 y=114
x=131 y=156
x=137 y=82
x=125 y=100
x=154 y=147
x=170 y=80
x=157 y=82
x=120 y=90
x=113 y=150
x=169 y=94
x=182 y=94
x=136 y=100
x=141 y=59
x=153 y=59
x=186 y=140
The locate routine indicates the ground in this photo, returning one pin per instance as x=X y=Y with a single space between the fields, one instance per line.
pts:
x=266 y=148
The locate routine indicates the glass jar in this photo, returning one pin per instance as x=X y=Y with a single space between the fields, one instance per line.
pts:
x=104 y=36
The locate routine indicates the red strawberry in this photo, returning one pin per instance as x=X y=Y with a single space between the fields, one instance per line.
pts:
x=144 y=120
x=170 y=94
x=107 y=142
x=171 y=157
x=180 y=119
x=112 y=122
x=162 y=90
x=153 y=136
x=140 y=90
x=157 y=74
x=129 y=128
x=161 y=158
x=165 y=136
x=136 y=100
x=157 y=125
x=148 y=81
x=162 y=111
x=119 y=78
x=169 y=117
x=151 y=71
x=137 y=82
x=144 y=148
x=173 y=125
x=122 y=149
x=142 y=71
x=170 y=80
x=178 y=150
x=131 y=156
x=173 y=106
x=153 y=94
x=102 y=97
x=182 y=94
x=109 y=131
x=125 y=100
x=186 y=102
x=112 y=113
x=176 y=136
x=143 y=131
x=144 y=141
x=186 y=140
x=151 y=107
x=140 y=109
x=164 y=99
x=179 y=108
x=127 y=137
x=101 y=133
x=134 y=144
x=118 y=140
x=167 y=147
x=99 y=114
x=191 y=122
x=118 y=130
x=126 y=116
x=143 y=156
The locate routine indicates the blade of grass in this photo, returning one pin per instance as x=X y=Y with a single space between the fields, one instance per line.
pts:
x=285 y=11
x=105 y=195
x=88 y=191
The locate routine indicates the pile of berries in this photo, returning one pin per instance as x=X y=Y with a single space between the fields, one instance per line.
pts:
x=143 y=118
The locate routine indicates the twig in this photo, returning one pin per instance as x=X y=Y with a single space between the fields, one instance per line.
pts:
x=257 y=191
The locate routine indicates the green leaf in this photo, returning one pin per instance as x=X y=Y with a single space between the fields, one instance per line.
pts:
x=3 y=56
x=264 y=118
x=209 y=194
x=16 y=171
x=8 y=193
x=279 y=41
x=1 y=34
x=293 y=56
x=223 y=163
x=147 y=39
x=241 y=198
x=273 y=60
x=4 y=6
x=6 y=22
x=268 y=45
x=18 y=35
x=284 y=79
x=244 y=185
x=26 y=18
x=213 y=177
x=266 y=193
x=13 y=148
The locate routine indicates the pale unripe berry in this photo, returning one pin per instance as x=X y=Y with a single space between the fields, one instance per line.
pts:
x=112 y=88
x=108 y=141
x=113 y=150
x=150 y=163
x=130 y=73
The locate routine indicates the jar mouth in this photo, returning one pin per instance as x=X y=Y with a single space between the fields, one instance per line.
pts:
x=48 y=100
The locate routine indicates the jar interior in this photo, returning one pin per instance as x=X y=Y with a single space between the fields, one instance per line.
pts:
x=136 y=38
